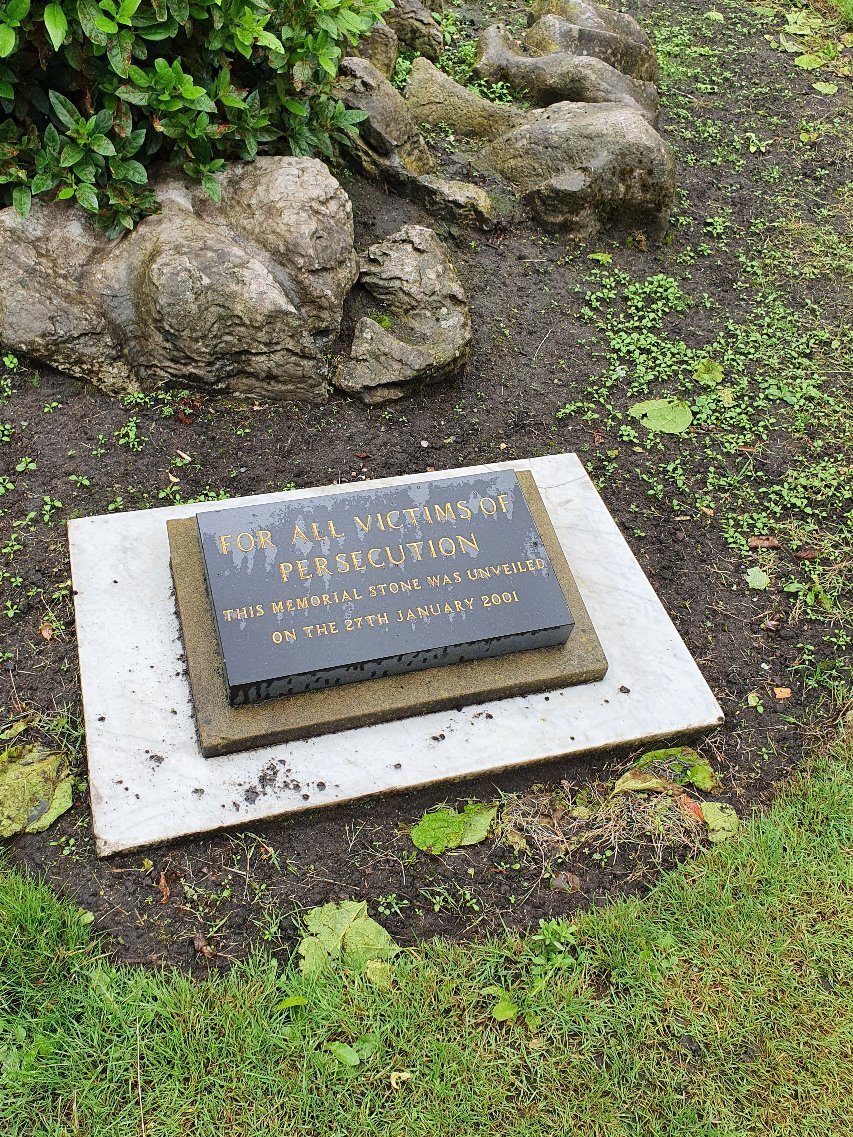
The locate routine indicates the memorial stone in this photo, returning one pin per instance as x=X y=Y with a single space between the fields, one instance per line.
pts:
x=324 y=591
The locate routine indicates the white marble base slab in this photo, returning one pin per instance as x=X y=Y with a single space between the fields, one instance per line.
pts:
x=149 y=782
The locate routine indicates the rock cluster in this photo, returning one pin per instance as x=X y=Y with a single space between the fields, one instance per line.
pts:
x=588 y=154
x=422 y=330
x=246 y=296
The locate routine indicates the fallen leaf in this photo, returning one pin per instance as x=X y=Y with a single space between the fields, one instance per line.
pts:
x=763 y=542
x=757 y=578
x=379 y=974
x=17 y=727
x=644 y=781
x=446 y=829
x=825 y=88
x=690 y=806
x=806 y=554
x=566 y=882
x=343 y=934
x=809 y=61
x=665 y=416
x=165 y=891
x=201 y=945
x=35 y=785
x=46 y=632
x=397 y=1078
x=682 y=764
x=708 y=373
x=782 y=692
x=361 y=456
x=722 y=821
x=515 y=840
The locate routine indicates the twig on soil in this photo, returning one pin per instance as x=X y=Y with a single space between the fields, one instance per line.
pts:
x=542 y=342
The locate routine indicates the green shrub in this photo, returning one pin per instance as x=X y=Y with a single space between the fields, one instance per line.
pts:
x=92 y=93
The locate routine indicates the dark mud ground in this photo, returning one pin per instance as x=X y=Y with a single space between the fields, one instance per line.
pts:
x=531 y=351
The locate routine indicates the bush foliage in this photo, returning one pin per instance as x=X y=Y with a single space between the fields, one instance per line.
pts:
x=93 y=91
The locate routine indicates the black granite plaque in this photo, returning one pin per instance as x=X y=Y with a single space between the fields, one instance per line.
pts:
x=317 y=592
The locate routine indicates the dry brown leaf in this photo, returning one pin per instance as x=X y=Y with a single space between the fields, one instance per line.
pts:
x=763 y=542
x=806 y=554
x=690 y=806
x=165 y=891
x=566 y=882
x=202 y=946
x=46 y=631
x=782 y=692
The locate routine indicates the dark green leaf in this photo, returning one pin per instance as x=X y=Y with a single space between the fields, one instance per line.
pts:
x=22 y=199
x=65 y=110
x=129 y=171
x=71 y=153
x=102 y=145
x=87 y=197
x=42 y=182
x=212 y=188
x=132 y=95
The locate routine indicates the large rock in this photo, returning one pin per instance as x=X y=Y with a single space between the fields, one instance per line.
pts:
x=433 y=97
x=416 y=27
x=554 y=34
x=423 y=333
x=588 y=15
x=380 y=46
x=578 y=167
x=455 y=200
x=560 y=76
x=389 y=147
x=44 y=310
x=246 y=295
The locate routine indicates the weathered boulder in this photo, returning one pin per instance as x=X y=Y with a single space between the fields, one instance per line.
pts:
x=560 y=77
x=554 y=34
x=433 y=97
x=380 y=46
x=588 y=15
x=454 y=200
x=246 y=295
x=389 y=146
x=416 y=27
x=423 y=333
x=45 y=312
x=578 y=166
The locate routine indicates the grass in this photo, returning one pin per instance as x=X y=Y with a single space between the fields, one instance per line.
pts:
x=721 y=1004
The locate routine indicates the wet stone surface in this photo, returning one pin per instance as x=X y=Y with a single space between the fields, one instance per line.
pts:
x=325 y=591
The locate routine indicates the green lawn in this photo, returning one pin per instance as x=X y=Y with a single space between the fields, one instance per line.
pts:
x=720 y=1004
